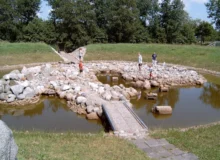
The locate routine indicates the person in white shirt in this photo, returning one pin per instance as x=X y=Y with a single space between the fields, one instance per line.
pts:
x=139 y=61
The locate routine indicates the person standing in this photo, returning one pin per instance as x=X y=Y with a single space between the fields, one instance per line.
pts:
x=80 y=66
x=80 y=54
x=154 y=59
x=139 y=61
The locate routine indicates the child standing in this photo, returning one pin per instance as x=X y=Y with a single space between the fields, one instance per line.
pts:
x=80 y=66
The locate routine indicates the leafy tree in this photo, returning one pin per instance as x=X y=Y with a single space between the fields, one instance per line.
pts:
x=14 y=15
x=8 y=30
x=75 y=22
x=213 y=7
x=172 y=18
x=204 y=30
x=124 y=22
x=27 y=10
x=39 y=31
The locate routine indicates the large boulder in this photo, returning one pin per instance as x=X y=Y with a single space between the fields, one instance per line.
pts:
x=3 y=96
x=11 y=98
x=80 y=100
x=1 y=88
x=107 y=96
x=154 y=83
x=8 y=147
x=139 y=84
x=17 y=89
x=92 y=116
x=146 y=85
x=29 y=92
x=162 y=110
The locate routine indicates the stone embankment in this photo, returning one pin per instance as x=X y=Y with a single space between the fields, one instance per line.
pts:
x=83 y=92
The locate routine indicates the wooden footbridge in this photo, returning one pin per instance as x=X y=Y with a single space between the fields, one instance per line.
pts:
x=123 y=120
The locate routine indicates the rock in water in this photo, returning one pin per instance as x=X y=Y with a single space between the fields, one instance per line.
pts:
x=8 y=147
x=162 y=110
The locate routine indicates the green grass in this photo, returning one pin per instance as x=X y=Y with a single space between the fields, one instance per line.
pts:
x=203 y=142
x=25 y=53
x=74 y=146
x=189 y=55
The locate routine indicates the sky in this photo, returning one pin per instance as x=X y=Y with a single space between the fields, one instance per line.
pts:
x=195 y=8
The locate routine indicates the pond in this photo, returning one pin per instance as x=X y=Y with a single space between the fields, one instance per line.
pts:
x=50 y=114
x=191 y=105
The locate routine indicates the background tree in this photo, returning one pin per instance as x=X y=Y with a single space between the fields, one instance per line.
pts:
x=204 y=30
x=8 y=30
x=27 y=10
x=172 y=18
x=75 y=21
x=125 y=22
x=39 y=31
x=213 y=8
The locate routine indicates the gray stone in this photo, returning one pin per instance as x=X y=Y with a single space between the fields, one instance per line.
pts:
x=169 y=146
x=89 y=109
x=162 y=141
x=6 y=88
x=8 y=147
x=6 y=77
x=13 y=76
x=189 y=156
x=92 y=116
x=152 y=142
x=21 y=97
x=80 y=100
x=3 y=96
x=17 y=89
x=177 y=151
x=29 y=92
x=1 y=88
x=140 y=143
x=23 y=83
x=65 y=87
x=164 y=154
x=54 y=84
x=11 y=98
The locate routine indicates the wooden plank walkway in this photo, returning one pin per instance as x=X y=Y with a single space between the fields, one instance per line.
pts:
x=123 y=120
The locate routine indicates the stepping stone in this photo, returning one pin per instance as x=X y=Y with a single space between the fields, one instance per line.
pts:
x=152 y=143
x=189 y=156
x=169 y=147
x=177 y=151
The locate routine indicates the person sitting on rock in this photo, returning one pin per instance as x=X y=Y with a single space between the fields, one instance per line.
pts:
x=80 y=66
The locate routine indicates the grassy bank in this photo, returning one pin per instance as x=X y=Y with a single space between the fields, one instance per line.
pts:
x=189 y=55
x=203 y=141
x=73 y=146
x=25 y=53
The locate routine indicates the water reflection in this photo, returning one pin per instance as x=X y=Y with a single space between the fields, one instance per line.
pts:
x=210 y=95
x=50 y=114
x=191 y=105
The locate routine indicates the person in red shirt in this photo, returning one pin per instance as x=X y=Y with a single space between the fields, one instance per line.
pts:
x=80 y=66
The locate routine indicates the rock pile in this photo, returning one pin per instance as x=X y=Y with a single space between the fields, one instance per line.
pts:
x=83 y=92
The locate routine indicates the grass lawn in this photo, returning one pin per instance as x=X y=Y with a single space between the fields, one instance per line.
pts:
x=72 y=146
x=203 y=142
x=25 y=53
x=189 y=55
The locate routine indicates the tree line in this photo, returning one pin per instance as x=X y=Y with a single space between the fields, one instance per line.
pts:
x=74 y=23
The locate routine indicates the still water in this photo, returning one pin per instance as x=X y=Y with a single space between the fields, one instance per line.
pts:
x=191 y=105
x=50 y=114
